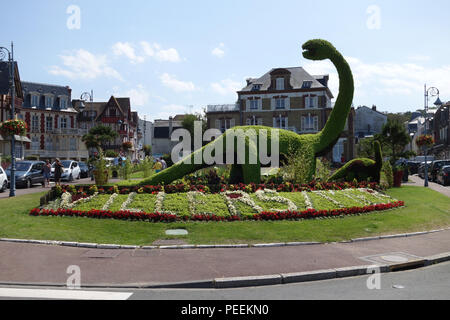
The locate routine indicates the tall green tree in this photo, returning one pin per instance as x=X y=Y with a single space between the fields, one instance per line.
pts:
x=188 y=123
x=98 y=136
x=394 y=138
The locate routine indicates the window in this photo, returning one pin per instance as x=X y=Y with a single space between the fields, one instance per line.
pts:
x=35 y=145
x=48 y=102
x=280 y=83
x=280 y=122
x=280 y=103
x=63 y=123
x=306 y=84
x=310 y=123
x=253 y=104
x=34 y=101
x=63 y=103
x=73 y=144
x=35 y=123
x=49 y=144
x=311 y=102
x=256 y=87
x=49 y=124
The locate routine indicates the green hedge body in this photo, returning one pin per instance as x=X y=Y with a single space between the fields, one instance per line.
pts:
x=361 y=169
x=311 y=145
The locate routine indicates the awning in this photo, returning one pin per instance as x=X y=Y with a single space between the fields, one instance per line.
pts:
x=16 y=138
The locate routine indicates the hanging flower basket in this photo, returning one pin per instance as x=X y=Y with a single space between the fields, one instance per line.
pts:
x=13 y=127
x=127 y=145
x=425 y=141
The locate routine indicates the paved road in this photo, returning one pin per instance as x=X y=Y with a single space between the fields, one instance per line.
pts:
x=38 y=188
x=428 y=283
x=46 y=264
x=417 y=181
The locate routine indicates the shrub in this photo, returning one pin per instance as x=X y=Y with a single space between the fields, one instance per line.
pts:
x=323 y=170
x=296 y=166
x=388 y=172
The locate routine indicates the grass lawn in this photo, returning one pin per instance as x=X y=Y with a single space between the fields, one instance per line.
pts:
x=425 y=210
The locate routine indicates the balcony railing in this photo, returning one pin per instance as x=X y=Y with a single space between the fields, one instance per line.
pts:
x=222 y=108
x=64 y=154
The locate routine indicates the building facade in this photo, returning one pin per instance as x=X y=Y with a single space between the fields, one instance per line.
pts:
x=286 y=98
x=368 y=121
x=441 y=131
x=144 y=135
x=161 y=135
x=115 y=113
x=52 y=123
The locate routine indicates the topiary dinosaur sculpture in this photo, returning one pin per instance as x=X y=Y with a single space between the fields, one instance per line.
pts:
x=312 y=145
x=361 y=169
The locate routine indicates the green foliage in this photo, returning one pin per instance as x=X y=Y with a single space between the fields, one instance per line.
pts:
x=395 y=137
x=361 y=169
x=296 y=167
x=146 y=166
x=98 y=136
x=308 y=146
x=147 y=150
x=126 y=170
x=111 y=154
x=101 y=173
x=388 y=172
x=323 y=170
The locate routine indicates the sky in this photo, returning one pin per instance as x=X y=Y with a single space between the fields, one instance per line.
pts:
x=174 y=57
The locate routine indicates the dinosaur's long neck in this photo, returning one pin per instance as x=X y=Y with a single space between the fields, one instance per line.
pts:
x=338 y=117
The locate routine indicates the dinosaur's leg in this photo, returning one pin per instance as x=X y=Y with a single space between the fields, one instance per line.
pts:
x=251 y=173
x=236 y=174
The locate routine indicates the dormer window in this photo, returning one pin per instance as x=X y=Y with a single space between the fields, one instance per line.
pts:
x=256 y=87
x=48 y=102
x=306 y=84
x=63 y=103
x=280 y=83
x=34 y=100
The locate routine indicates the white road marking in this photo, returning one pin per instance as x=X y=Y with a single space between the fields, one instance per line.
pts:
x=63 y=294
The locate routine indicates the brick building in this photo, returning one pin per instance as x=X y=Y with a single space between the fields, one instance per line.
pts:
x=286 y=98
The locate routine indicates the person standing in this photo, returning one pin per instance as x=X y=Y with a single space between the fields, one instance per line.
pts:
x=46 y=170
x=58 y=172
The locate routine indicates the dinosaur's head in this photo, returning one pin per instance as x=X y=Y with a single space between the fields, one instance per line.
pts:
x=317 y=49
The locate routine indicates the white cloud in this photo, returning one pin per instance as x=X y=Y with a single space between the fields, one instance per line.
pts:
x=84 y=65
x=219 y=52
x=175 y=84
x=386 y=78
x=226 y=87
x=139 y=97
x=157 y=52
x=126 y=49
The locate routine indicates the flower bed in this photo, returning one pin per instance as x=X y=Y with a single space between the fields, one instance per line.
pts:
x=236 y=205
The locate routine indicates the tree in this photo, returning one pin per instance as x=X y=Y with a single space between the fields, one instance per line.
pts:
x=98 y=136
x=147 y=150
x=394 y=137
x=188 y=123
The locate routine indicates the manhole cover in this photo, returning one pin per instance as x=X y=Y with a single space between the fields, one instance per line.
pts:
x=106 y=254
x=396 y=259
x=177 y=232
x=391 y=258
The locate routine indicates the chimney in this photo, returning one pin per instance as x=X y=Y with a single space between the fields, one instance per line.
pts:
x=374 y=108
x=249 y=81
x=70 y=92
x=170 y=126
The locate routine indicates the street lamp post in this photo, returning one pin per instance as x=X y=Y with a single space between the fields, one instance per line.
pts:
x=12 y=85
x=430 y=92
x=84 y=98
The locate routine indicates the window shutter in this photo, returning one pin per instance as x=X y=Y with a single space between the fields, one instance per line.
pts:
x=274 y=124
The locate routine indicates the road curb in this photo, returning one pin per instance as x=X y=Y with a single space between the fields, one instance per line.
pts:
x=210 y=246
x=265 y=280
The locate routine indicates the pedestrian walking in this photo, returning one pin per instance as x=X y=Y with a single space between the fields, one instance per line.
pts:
x=58 y=172
x=46 y=171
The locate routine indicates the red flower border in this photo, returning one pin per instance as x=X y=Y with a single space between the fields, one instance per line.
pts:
x=264 y=216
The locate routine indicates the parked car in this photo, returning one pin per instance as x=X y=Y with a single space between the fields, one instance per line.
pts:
x=84 y=170
x=443 y=176
x=28 y=173
x=421 y=170
x=71 y=170
x=436 y=166
x=3 y=180
x=413 y=167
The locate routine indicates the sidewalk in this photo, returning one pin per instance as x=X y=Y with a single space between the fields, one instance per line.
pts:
x=45 y=264
x=417 y=181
